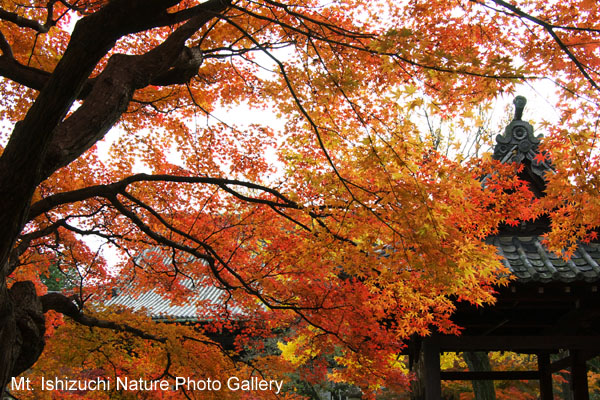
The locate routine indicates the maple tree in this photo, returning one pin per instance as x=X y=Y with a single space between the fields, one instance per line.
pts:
x=360 y=235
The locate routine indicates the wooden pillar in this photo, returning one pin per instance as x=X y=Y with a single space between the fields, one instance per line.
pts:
x=431 y=356
x=579 y=383
x=425 y=363
x=545 y=376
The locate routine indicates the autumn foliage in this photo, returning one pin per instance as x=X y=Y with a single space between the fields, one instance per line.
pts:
x=286 y=152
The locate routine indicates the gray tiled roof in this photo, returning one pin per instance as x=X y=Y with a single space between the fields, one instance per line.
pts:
x=205 y=298
x=529 y=260
x=160 y=307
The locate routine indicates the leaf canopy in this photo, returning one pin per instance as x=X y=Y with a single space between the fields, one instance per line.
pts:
x=345 y=226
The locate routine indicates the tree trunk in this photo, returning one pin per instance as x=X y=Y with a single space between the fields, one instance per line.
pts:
x=479 y=361
x=8 y=329
x=22 y=327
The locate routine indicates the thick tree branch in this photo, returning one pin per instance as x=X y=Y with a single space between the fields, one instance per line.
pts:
x=114 y=89
x=5 y=47
x=25 y=75
x=180 y=72
x=64 y=305
x=35 y=78
x=30 y=327
x=21 y=161
x=119 y=187
x=110 y=192
x=24 y=22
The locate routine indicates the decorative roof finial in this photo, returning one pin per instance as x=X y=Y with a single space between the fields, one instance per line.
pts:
x=518 y=143
x=519 y=103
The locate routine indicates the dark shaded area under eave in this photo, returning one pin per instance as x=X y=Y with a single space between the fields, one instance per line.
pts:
x=549 y=296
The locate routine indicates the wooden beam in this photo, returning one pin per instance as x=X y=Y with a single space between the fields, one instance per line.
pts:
x=489 y=375
x=566 y=362
x=517 y=343
x=415 y=363
x=561 y=364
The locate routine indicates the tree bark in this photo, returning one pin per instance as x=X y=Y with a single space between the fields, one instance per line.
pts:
x=23 y=327
x=479 y=361
x=8 y=336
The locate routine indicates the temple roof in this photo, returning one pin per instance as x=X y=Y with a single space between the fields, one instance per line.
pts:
x=204 y=297
x=528 y=259
x=159 y=307
x=522 y=251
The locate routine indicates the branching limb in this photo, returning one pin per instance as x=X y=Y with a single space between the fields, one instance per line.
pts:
x=211 y=256
x=22 y=164
x=111 y=95
x=299 y=104
x=334 y=28
x=25 y=22
x=64 y=305
x=112 y=189
x=551 y=29
x=394 y=55
x=166 y=372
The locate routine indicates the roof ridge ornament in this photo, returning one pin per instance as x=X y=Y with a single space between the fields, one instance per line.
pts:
x=518 y=144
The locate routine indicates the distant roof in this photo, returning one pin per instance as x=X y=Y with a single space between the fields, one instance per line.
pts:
x=204 y=297
x=528 y=259
x=159 y=307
